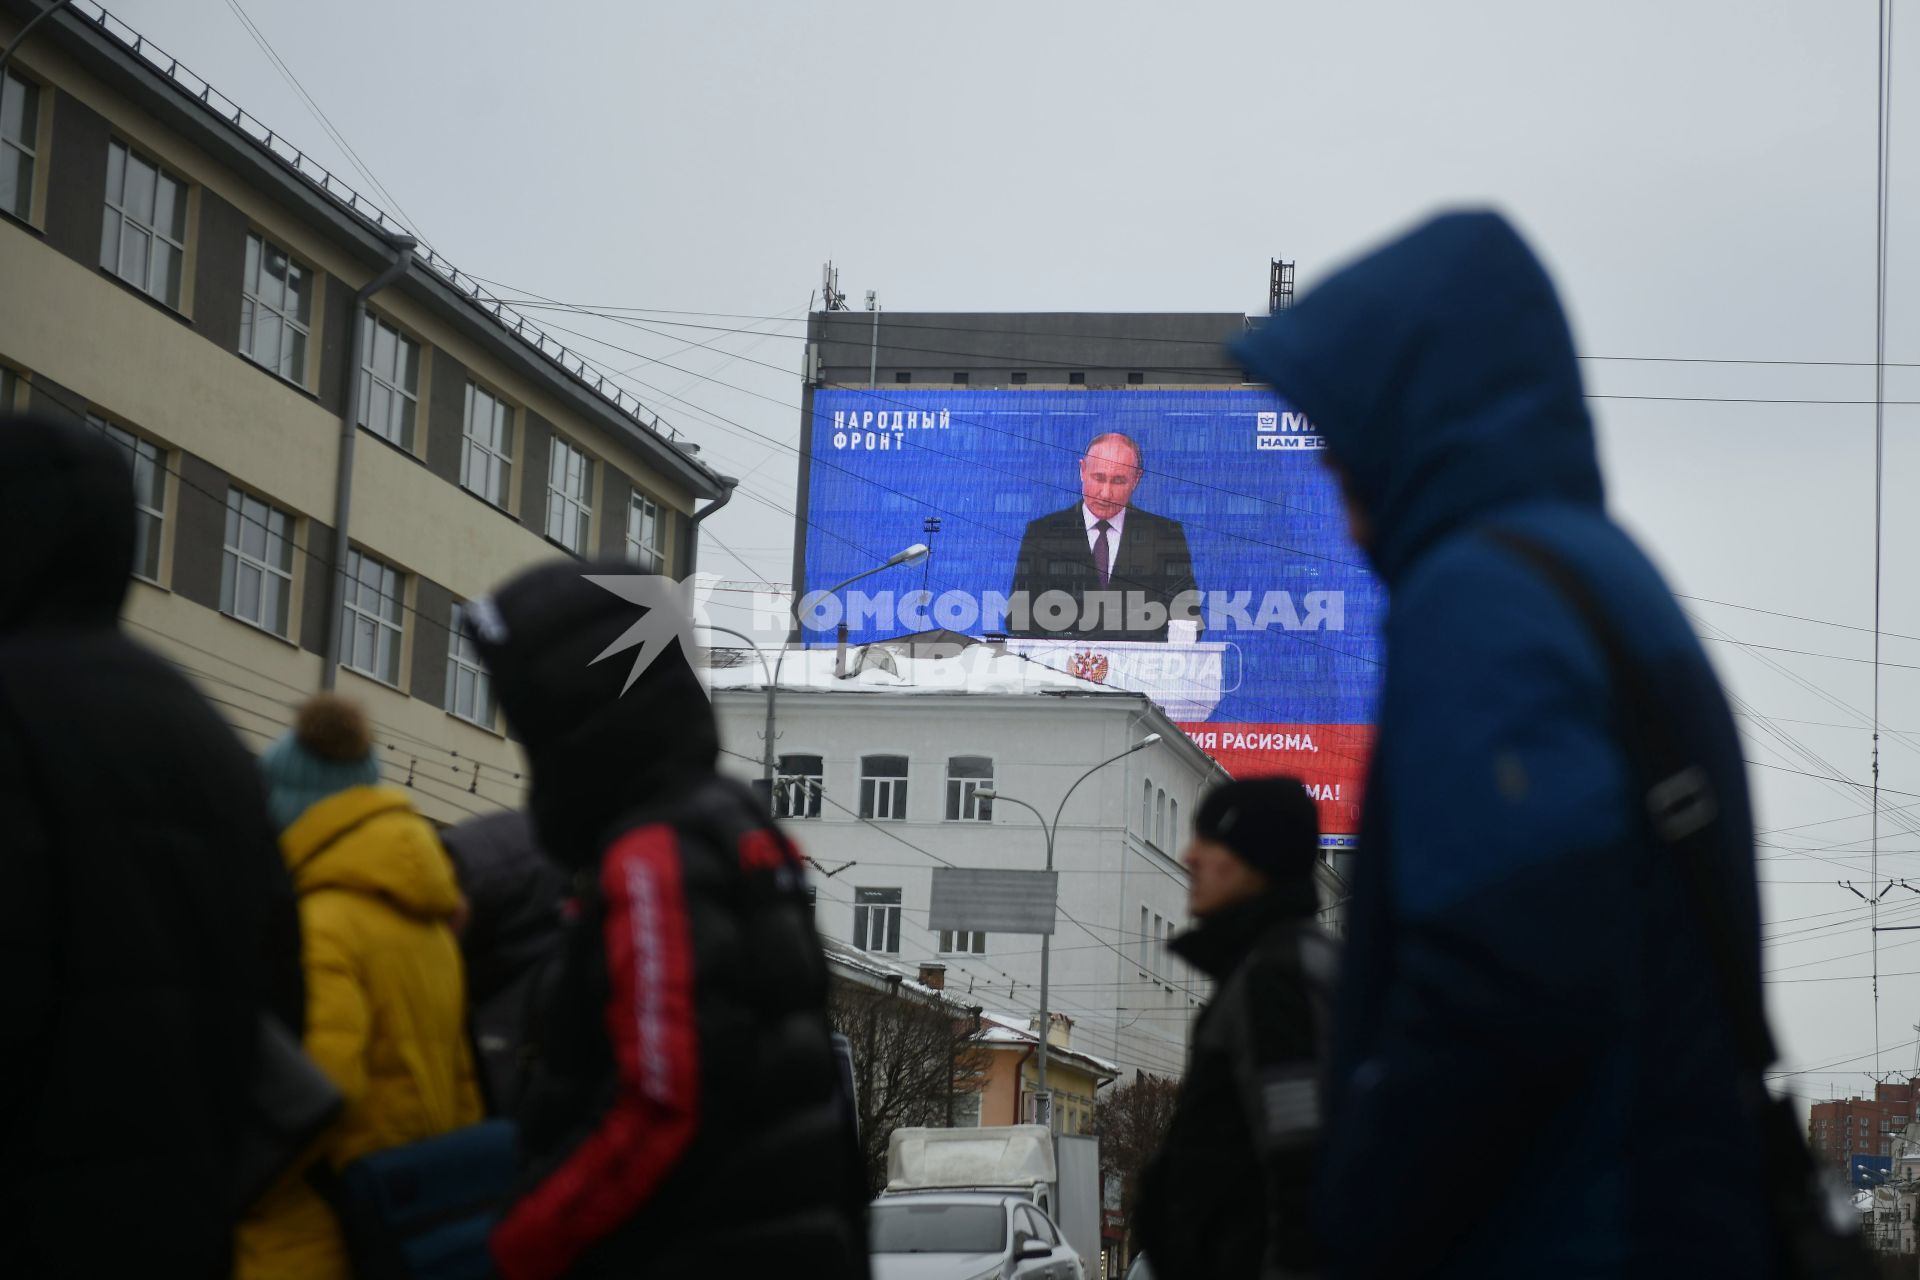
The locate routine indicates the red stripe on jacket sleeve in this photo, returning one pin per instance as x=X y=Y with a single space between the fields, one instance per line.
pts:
x=650 y=1024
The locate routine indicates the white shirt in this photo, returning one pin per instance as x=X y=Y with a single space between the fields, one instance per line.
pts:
x=1114 y=524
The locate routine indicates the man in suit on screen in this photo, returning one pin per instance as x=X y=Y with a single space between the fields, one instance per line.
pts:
x=1103 y=551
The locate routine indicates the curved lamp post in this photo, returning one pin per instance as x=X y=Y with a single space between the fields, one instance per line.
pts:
x=1050 y=830
x=912 y=555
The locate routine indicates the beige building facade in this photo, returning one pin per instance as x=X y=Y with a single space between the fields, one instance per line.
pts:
x=175 y=280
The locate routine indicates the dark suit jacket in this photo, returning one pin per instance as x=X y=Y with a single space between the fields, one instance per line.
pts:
x=1152 y=565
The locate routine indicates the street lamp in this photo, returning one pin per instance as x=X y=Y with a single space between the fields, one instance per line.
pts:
x=916 y=552
x=1050 y=830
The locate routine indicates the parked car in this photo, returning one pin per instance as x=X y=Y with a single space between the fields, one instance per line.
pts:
x=960 y=1235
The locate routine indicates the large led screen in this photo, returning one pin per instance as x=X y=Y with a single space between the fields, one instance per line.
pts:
x=1184 y=543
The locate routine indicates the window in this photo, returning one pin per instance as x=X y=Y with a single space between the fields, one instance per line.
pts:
x=1157 y=939
x=143 y=237
x=469 y=687
x=965 y=776
x=960 y=379
x=276 y=310
x=1019 y=377
x=902 y=375
x=798 y=786
x=1173 y=821
x=643 y=533
x=1142 y=941
x=1135 y=379
x=1076 y=379
x=370 y=625
x=876 y=920
x=390 y=388
x=1146 y=809
x=149 y=463
x=965 y=1113
x=962 y=943
x=486 y=452
x=1160 y=817
x=569 y=500
x=883 y=787
x=256 y=573
x=19 y=136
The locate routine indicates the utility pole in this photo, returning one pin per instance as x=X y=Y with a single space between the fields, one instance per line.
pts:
x=873 y=351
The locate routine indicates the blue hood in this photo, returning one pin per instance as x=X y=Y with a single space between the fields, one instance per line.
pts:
x=1440 y=370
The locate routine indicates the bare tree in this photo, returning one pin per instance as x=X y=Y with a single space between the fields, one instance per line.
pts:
x=1132 y=1122
x=912 y=1055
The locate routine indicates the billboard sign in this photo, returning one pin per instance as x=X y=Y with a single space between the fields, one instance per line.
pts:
x=1185 y=543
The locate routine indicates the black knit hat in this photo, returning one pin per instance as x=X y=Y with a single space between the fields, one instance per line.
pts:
x=1271 y=824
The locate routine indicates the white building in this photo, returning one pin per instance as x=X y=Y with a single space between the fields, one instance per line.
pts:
x=876 y=775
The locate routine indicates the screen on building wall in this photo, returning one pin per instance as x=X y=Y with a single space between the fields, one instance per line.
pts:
x=1188 y=544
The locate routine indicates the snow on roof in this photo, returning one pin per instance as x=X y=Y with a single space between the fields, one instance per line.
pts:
x=975 y=669
x=1009 y=1028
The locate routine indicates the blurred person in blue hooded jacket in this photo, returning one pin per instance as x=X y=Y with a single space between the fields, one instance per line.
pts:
x=1533 y=1064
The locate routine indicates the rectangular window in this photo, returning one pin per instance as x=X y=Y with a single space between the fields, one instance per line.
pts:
x=469 y=687
x=883 y=787
x=143 y=237
x=256 y=571
x=903 y=375
x=876 y=920
x=643 y=533
x=963 y=943
x=1019 y=377
x=1076 y=379
x=19 y=137
x=798 y=786
x=370 y=627
x=965 y=776
x=960 y=379
x=1135 y=379
x=486 y=454
x=149 y=463
x=966 y=1110
x=1141 y=944
x=276 y=310
x=569 y=496
x=390 y=385
x=1156 y=940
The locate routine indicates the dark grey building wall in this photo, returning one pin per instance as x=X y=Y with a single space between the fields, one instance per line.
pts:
x=220 y=263
x=433 y=612
x=316 y=590
x=49 y=399
x=77 y=180
x=533 y=475
x=200 y=530
x=615 y=493
x=336 y=335
x=446 y=413
x=1049 y=347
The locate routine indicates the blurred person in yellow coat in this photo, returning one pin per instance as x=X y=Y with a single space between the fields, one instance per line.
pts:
x=386 y=998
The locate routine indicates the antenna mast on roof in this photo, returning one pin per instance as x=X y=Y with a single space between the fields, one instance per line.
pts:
x=830 y=287
x=1279 y=285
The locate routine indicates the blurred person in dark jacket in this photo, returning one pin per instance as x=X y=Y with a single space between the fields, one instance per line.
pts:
x=147 y=920
x=516 y=898
x=682 y=1114
x=1535 y=1070
x=1230 y=1194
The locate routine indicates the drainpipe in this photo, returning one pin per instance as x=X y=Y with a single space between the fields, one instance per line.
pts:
x=349 y=431
x=727 y=484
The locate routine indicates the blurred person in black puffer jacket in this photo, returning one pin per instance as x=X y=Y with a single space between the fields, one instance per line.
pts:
x=146 y=920
x=683 y=1114
x=516 y=902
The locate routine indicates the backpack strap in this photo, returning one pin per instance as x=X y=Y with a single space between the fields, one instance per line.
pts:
x=1681 y=810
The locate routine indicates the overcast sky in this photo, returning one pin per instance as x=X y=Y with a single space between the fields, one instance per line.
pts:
x=1699 y=177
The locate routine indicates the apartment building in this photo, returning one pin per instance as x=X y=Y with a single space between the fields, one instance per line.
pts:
x=274 y=357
